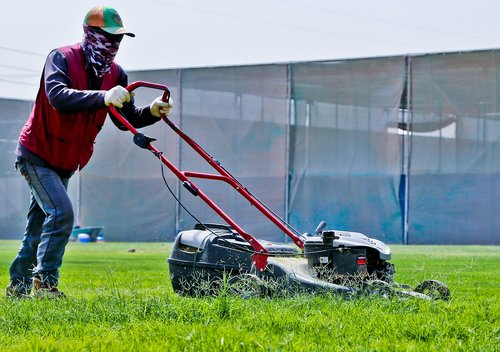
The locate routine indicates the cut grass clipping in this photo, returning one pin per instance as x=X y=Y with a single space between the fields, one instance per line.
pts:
x=121 y=300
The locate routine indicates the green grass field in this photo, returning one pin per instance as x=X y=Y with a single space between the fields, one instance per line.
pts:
x=121 y=301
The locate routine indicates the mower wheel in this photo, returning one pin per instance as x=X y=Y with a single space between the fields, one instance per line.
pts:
x=378 y=287
x=434 y=289
x=246 y=286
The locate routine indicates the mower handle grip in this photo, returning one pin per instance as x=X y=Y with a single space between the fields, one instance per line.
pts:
x=138 y=84
x=130 y=88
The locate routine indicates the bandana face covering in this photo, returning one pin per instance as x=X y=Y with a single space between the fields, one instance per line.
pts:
x=99 y=50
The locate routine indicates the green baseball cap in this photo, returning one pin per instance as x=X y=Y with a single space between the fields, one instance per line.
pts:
x=106 y=18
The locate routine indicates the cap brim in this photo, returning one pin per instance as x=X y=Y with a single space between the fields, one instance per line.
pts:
x=118 y=31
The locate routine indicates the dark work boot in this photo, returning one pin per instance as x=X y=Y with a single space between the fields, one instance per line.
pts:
x=17 y=291
x=44 y=290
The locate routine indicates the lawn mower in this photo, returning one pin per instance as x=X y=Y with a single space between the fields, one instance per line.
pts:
x=214 y=257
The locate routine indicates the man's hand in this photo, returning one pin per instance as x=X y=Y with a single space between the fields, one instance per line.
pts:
x=159 y=107
x=116 y=96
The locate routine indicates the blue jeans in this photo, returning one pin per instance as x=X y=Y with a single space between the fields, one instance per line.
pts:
x=49 y=226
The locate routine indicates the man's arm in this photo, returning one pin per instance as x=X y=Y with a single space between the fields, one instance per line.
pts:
x=68 y=100
x=59 y=92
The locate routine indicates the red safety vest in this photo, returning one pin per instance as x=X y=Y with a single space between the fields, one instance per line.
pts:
x=66 y=141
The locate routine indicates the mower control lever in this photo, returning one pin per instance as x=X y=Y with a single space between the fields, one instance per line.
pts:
x=142 y=140
x=321 y=226
x=189 y=186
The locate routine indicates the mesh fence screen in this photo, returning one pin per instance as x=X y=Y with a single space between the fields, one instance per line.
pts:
x=122 y=186
x=239 y=116
x=455 y=160
x=15 y=194
x=345 y=165
x=367 y=145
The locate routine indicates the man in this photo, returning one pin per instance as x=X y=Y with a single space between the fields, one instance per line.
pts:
x=78 y=84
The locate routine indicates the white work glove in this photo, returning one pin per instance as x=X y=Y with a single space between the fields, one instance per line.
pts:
x=159 y=107
x=116 y=96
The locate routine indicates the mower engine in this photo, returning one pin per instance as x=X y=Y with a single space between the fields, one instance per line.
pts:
x=337 y=256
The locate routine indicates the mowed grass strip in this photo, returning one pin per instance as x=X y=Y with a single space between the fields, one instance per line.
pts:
x=122 y=301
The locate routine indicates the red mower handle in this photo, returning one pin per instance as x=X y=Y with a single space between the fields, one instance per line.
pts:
x=260 y=252
x=138 y=84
